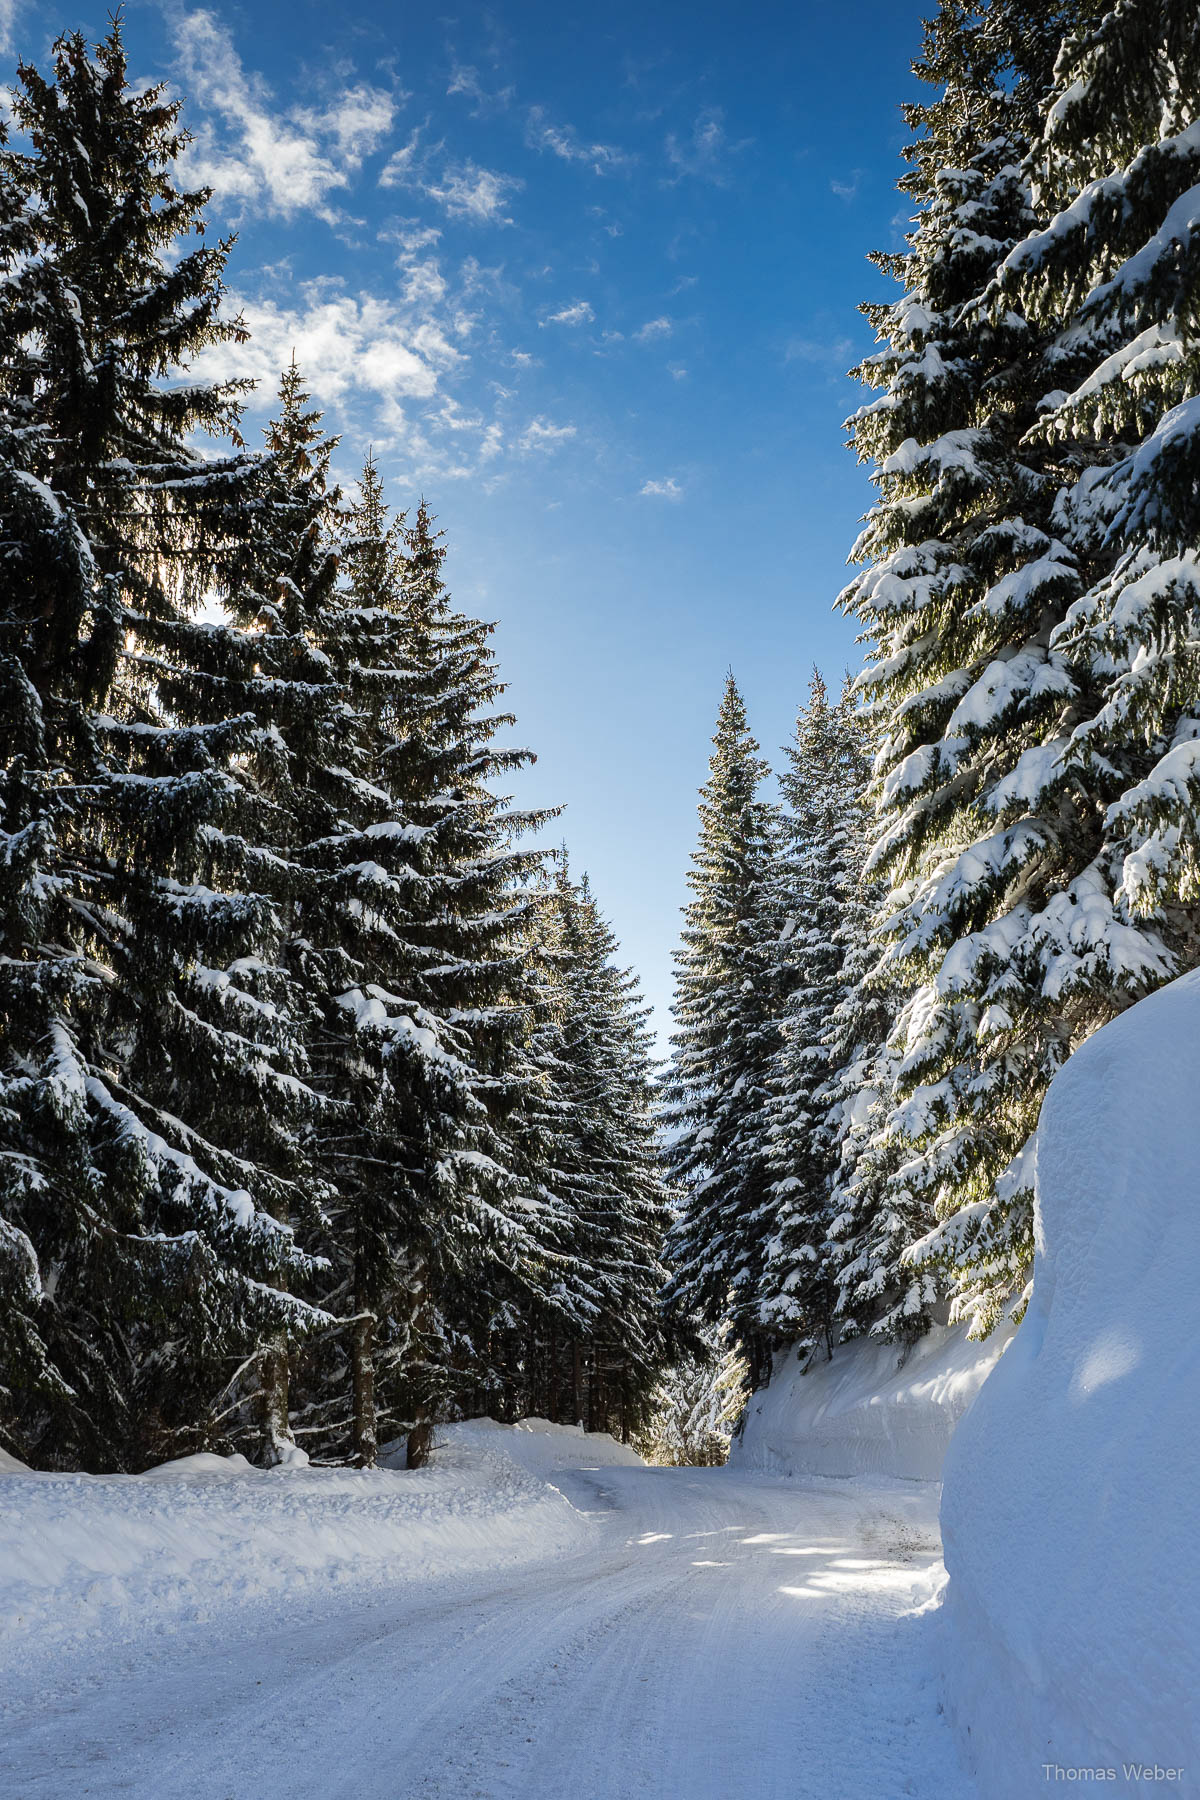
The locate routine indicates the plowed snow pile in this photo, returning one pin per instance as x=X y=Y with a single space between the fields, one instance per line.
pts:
x=870 y=1410
x=1071 y=1505
x=82 y=1555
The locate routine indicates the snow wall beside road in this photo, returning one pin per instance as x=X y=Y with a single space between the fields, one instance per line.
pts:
x=1071 y=1498
x=869 y=1411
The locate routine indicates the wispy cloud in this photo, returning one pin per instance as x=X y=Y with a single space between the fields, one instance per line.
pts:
x=540 y=434
x=253 y=152
x=464 y=190
x=662 y=490
x=831 y=352
x=564 y=142
x=577 y=313
x=705 y=154
x=469 y=192
x=847 y=187
x=653 y=330
x=465 y=79
x=8 y=19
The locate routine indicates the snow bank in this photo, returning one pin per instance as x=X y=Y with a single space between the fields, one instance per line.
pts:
x=89 y=1554
x=868 y=1411
x=1071 y=1506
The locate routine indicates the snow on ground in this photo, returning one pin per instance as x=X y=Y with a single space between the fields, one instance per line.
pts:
x=871 y=1410
x=86 y=1555
x=1072 y=1490
x=536 y=1615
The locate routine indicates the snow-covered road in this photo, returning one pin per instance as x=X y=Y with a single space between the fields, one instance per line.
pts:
x=720 y=1637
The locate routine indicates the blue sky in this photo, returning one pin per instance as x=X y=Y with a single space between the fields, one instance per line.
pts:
x=587 y=278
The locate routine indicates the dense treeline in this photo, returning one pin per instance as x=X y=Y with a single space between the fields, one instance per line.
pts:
x=325 y=1106
x=991 y=846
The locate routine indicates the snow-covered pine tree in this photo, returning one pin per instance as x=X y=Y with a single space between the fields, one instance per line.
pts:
x=726 y=1010
x=47 y=585
x=873 y=1219
x=696 y=1405
x=970 y=576
x=617 y=1199
x=1114 y=276
x=165 y=1259
x=418 y=954
x=818 y=873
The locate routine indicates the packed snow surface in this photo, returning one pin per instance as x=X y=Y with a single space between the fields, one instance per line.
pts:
x=871 y=1410
x=1071 y=1511
x=535 y=1615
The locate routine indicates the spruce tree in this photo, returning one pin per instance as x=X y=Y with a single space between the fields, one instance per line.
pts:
x=618 y=1206
x=726 y=1010
x=410 y=942
x=122 y=1020
x=818 y=875
x=967 y=688
x=1115 y=275
x=1047 y=825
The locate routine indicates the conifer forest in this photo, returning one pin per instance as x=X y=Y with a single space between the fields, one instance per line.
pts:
x=331 y=1115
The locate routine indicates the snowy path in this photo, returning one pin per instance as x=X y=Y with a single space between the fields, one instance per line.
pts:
x=722 y=1637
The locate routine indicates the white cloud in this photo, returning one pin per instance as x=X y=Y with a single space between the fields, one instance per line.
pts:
x=346 y=346
x=540 y=434
x=705 y=153
x=410 y=236
x=465 y=80
x=522 y=359
x=8 y=19
x=652 y=329
x=469 y=192
x=357 y=121
x=562 y=141
x=847 y=189
x=677 y=371
x=464 y=190
x=578 y=313
x=249 y=149
x=662 y=490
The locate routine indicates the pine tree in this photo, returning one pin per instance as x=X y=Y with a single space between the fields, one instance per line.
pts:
x=992 y=905
x=617 y=1202
x=411 y=944
x=697 y=1403
x=1056 y=804
x=818 y=874
x=166 y=1257
x=1115 y=276
x=726 y=1009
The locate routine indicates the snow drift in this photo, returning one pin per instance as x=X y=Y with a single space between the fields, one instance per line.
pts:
x=87 y=1555
x=1071 y=1506
x=870 y=1411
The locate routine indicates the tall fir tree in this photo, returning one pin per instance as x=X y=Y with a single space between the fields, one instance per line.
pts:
x=618 y=1205
x=1047 y=825
x=991 y=903
x=165 y=1255
x=818 y=877
x=727 y=1014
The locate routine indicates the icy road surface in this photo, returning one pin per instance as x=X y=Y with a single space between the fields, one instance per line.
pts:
x=718 y=1636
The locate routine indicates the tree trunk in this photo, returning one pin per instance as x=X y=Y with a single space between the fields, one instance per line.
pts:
x=594 y=1391
x=276 y=1425
x=552 y=1395
x=420 y=1437
x=420 y=1440
x=366 y=1438
x=577 y=1382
